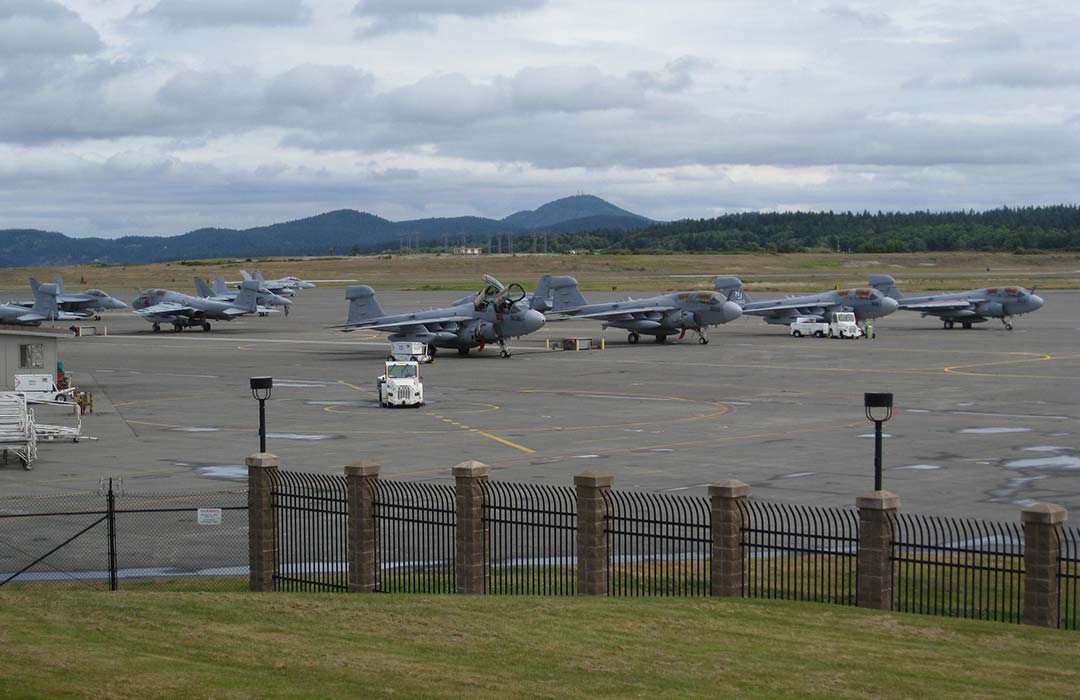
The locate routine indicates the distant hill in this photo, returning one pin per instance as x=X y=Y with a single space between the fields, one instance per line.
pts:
x=335 y=232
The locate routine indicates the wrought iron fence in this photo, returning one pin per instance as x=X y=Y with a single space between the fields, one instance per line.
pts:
x=798 y=552
x=310 y=531
x=958 y=568
x=658 y=544
x=115 y=540
x=1069 y=578
x=416 y=524
x=531 y=538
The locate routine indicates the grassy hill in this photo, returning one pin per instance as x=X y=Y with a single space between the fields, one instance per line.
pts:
x=138 y=645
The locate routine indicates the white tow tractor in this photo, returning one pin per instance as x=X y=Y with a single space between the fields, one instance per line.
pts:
x=400 y=384
x=413 y=352
x=809 y=325
x=842 y=324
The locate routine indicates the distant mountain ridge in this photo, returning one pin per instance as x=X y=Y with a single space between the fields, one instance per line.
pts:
x=335 y=232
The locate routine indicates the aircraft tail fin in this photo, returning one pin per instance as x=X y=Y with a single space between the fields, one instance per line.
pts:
x=34 y=284
x=219 y=285
x=45 y=301
x=362 y=304
x=886 y=285
x=259 y=277
x=541 y=298
x=248 y=297
x=244 y=275
x=732 y=289
x=202 y=289
x=564 y=292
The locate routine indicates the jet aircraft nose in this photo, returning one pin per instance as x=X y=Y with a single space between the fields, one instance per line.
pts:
x=1035 y=302
x=533 y=320
x=731 y=311
x=888 y=305
x=117 y=304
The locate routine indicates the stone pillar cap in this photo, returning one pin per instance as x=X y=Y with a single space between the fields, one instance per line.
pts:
x=1044 y=514
x=362 y=468
x=471 y=468
x=730 y=488
x=878 y=500
x=594 y=478
x=262 y=460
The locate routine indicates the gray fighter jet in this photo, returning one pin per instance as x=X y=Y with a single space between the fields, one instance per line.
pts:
x=220 y=292
x=44 y=308
x=660 y=316
x=965 y=308
x=82 y=304
x=286 y=286
x=492 y=316
x=185 y=311
x=866 y=303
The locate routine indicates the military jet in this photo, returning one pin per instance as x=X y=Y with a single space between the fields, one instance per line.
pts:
x=866 y=303
x=965 y=308
x=491 y=316
x=221 y=293
x=287 y=286
x=44 y=308
x=82 y=304
x=185 y=311
x=660 y=316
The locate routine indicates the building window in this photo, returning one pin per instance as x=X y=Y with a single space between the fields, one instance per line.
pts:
x=32 y=356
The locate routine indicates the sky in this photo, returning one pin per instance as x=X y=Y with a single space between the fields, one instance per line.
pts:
x=161 y=116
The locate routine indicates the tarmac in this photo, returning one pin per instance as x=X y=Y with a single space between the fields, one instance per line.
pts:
x=985 y=420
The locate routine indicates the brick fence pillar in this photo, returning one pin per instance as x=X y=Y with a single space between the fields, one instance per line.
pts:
x=726 y=501
x=877 y=522
x=592 y=547
x=260 y=521
x=470 y=544
x=1043 y=525
x=361 y=478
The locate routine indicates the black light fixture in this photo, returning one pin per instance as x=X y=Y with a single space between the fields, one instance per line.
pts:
x=878 y=410
x=261 y=387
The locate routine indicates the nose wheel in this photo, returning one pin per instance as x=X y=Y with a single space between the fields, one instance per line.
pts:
x=1008 y=323
x=702 y=336
x=504 y=351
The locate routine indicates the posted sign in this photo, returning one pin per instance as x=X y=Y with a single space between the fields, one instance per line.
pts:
x=209 y=516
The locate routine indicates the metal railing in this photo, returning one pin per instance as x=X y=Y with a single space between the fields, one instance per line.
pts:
x=531 y=538
x=416 y=525
x=658 y=544
x=114 y=540
x=1069 y=578
x=958 y=567
x=310 y=531
x=798 y=552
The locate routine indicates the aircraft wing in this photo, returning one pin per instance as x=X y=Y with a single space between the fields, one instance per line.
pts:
x=27 y=318
x=403 y=326
x=769 y=310
x=623 y=313
x=940 y=305
x=165 y=308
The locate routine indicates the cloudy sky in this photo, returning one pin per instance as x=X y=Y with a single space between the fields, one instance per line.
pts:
x=160 y=116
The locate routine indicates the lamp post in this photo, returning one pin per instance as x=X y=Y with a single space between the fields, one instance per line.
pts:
x=260 y=391
x=878 y=410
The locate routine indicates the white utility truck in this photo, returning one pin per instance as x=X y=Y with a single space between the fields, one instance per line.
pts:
x=400 y=385
x=809 y=325
x=842 y=324
x=415 y=352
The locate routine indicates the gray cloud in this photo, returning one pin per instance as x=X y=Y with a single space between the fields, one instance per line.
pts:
x=218 y=13
x=43 y=27
x=391 y=16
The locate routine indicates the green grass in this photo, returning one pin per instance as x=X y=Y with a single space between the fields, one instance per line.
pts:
x=137 y=645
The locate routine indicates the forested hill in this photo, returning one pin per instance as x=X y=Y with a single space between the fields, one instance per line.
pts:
x=1005 y=229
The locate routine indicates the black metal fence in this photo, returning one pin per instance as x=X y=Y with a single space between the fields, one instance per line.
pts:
x=798 y=552
x=531 y=538
x=659 y=544
x=1069 y=578
x=958 y=568
x=310 y=531
x=416 y=524
x=115 y=540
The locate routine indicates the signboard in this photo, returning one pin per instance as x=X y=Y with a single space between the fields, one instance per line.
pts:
x=209 y=516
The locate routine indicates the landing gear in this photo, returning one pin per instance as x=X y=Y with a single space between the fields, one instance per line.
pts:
x=177 y=327
x=286 y=310
x=1008 y=323
x=97 y=317
x=206 y=326
x=948 y=325
x=504 y=351
x=703 y=336
x=463 y=351
x=157 y=327
x=432 y=350
x=661 y=338
x=633 y=338
x=966 y=325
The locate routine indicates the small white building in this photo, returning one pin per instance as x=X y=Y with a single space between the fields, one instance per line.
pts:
x=464 y=250
x=28 y=350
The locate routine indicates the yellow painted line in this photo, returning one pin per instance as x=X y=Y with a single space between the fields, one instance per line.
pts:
x=496 y=438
